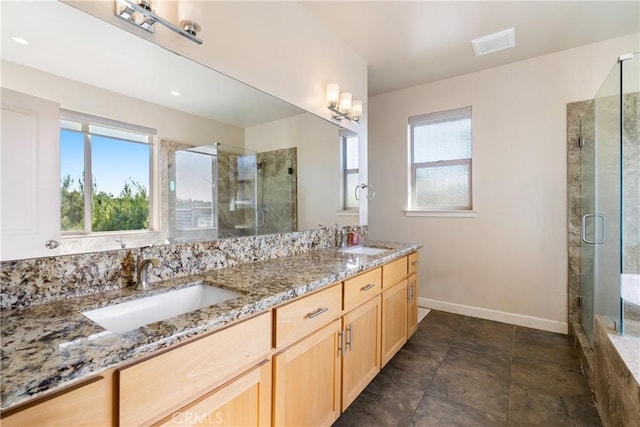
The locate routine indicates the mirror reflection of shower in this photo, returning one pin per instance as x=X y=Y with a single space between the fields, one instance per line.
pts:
x=219 y=191
x=277 y=191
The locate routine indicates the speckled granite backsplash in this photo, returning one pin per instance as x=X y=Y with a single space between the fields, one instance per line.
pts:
x=37 y=281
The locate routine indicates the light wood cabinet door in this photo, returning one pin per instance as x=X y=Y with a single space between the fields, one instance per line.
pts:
x=394 y=320
x=85 y=405
x=412 y=305
x=361 y=358
x=360 y=288
x=152 y=389
x=394 y=271
x=304 y=315
x=413 y=262
x=245 y=401
x=307 y=380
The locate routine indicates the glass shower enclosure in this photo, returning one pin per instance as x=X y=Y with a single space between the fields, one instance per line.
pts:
x=610 y=196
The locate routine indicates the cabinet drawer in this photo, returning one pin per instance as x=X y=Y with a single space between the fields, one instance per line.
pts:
x=152 y=388
x=393 y=272
x=82 y=406
x=302 y=316
x=246 y=401
x=362 y=287
x=413 y=262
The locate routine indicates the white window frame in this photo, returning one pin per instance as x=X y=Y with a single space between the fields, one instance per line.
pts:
x=150 y=134
x=413 y=167
x=344 y=172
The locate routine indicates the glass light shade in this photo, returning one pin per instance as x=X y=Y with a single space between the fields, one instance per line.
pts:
x=189 y=11
x=333 y=94
x=345 y=101
x=167 y=9
x=356 y=110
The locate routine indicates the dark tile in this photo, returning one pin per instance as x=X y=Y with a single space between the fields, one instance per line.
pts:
x=358 y=415
x=414 y=368
x=583 y=412
x=427 y=345
x=498 y=364
x=478 y=380
x=549 y=378
x=485 y=335
x=434 y=412
x=531 y=344
x=438 y=327
x=388 y=402
x=477 y=372
x=444 y=317
x=529 y=407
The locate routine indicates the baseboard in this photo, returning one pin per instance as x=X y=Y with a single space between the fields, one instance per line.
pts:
x=498 y=316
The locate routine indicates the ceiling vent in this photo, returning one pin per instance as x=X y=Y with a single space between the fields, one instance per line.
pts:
x=494 y=42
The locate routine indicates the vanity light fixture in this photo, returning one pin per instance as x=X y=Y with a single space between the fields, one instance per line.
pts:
x=141 y=13
x=342 y=105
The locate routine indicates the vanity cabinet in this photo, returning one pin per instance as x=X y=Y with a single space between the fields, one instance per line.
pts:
x=306 y=384
x=361 y=350
x=304 y=315
x=394 y=320
x=302 y=363
x=412 y=294
x=87 y=404
x=245 y=401
x=156 y=388
x=412 y=305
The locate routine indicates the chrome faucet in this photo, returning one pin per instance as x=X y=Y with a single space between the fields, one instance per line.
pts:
x=142 y=270
x=341 y=237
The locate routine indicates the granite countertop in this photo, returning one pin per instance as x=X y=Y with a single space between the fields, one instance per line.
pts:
x=49 y=346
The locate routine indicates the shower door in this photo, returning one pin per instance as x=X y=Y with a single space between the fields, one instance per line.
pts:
x=601 y=205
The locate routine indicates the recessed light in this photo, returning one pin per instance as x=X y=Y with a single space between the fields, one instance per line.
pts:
x=19 y=40
x=494 y=42
x=175 y=93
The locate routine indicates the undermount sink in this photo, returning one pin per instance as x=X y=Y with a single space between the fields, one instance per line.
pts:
x=363 y=250
x=130 y=315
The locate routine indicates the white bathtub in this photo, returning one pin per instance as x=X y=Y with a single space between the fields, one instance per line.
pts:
x=630 y=288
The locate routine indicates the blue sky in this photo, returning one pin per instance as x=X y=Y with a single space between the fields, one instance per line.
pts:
x=113 y=161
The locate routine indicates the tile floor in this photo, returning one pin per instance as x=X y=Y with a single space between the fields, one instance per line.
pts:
x=463 y=371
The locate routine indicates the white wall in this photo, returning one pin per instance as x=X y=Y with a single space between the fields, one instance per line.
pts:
x=510 y=262
x=318 y=169
x=171 y=124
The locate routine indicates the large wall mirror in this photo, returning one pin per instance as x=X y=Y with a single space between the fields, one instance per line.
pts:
x=92 y=104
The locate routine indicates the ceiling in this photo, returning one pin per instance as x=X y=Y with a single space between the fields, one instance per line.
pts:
x=407 y=43
x=115 y=60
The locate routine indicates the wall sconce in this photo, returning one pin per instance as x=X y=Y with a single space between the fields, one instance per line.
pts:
x=342 y=105
x=141 y=13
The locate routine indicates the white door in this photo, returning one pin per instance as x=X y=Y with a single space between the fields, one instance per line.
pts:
x=30 y=176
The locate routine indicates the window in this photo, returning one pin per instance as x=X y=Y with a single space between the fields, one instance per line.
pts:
x=350 y=172
x=115 y=158
x=440 y=147
x=195 y=188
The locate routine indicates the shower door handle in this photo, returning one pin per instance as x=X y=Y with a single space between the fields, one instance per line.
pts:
x=584 y=229
x=260 y=218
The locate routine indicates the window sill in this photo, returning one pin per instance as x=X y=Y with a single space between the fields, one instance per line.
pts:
x=442 y=214
x=348 y=213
